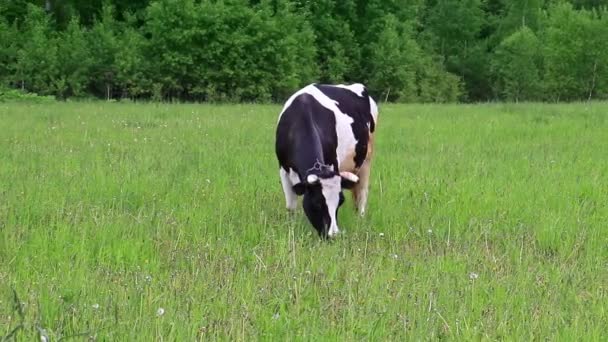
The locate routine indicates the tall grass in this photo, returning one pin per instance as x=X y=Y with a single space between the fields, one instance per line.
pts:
x=167 y=222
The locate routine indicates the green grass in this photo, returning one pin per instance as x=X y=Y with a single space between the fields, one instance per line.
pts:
x=485 y=222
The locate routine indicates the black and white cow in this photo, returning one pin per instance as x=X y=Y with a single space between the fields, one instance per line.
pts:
x=324 y=144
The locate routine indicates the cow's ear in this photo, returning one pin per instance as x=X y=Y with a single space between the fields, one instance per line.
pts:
x=299 y=189
x=348 y=179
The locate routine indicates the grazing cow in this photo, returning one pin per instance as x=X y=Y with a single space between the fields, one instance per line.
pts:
x=324 y=142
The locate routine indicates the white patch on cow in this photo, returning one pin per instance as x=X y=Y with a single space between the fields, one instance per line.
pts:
x=291 y=199
x=373 y=109
x=356 y=88
x=294 y=177
x=344 y=131
x=331 y=188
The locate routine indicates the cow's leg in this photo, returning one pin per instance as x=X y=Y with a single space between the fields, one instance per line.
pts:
x=361 y=189
x=291 y=199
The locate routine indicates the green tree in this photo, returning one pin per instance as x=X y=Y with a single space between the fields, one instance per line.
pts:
x=455 y=24
x=516 y=66
x=520 y=13
x=103 y=43
x=74 y=61
x=36 y=67
x=133 y=67
x=393 y=62
x=228 y=50
x=290 y=57
x=590 y=4
x=338 y=50
x=453 y=28
x=9 y=46
x=172 y=28
x=434 y=83
x=598 y=85
x=13 y=10
x=574 y=53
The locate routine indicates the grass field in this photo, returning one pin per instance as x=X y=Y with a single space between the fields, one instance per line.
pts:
x=167 y=222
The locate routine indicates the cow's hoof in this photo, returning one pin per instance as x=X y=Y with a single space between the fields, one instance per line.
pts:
x=333 y=233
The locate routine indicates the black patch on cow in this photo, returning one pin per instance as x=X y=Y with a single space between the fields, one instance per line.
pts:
x=316 y=210
x=347 y=183
x=299 y=189
x=358 y=108
x=306 y=135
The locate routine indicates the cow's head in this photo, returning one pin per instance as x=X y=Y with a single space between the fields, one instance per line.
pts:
x=323 y=197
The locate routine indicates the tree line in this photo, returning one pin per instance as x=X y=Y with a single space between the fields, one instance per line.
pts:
x=262 y=50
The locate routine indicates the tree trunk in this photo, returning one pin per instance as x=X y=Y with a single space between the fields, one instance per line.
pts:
x=387 y=94
x=593 y=81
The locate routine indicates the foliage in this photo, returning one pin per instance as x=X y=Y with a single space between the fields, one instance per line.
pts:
x=575 y=59
x=516 y=66
x=227 y=51
x=263 y=50
x=393 y=61
x=16 y=95
x=74 y=61
x=9 y=39
x=104 y=41
x=36 y=68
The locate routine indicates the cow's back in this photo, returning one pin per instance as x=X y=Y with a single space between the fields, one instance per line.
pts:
x=343 y=115
x=355 y=102
x=305 y=127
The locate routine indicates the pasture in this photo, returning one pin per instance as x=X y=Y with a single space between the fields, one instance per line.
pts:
x=123 y=221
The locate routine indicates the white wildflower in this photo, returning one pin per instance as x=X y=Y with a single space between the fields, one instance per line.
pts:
x=473 y=275
x=95 y=306
x=44 y=337
x=160 y=312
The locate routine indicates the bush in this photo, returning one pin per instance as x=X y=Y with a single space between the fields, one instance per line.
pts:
x=14 y=95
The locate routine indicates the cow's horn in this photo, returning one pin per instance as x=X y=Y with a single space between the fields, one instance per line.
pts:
x=349 y=176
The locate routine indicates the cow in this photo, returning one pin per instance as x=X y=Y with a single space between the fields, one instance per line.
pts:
x=324 y=144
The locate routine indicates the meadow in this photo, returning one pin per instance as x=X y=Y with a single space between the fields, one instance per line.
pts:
x=140 y=222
